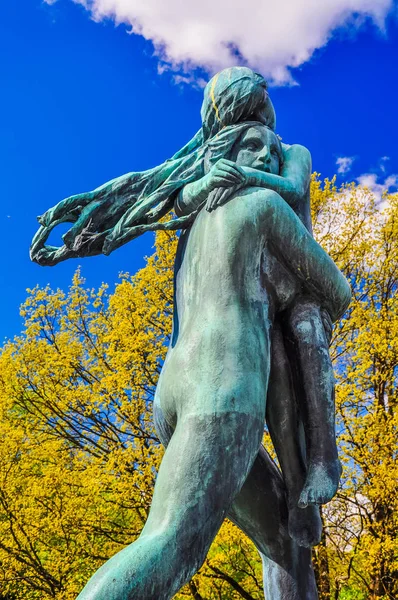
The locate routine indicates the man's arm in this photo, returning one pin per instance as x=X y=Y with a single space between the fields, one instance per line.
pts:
x=294 y=178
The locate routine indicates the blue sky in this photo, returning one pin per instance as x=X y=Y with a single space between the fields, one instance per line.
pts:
x=83 y=102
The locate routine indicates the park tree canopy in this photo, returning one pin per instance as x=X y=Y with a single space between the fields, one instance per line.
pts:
x=79 y=454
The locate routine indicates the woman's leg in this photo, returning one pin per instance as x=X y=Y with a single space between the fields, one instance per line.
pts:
x=291 y=243
x=260 y=510
x=285 y=426
x=317 y=405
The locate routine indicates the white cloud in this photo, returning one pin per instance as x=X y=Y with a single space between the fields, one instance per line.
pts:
x=382 y=163
x=370 y=181
x=344 y=164
x=269 y=36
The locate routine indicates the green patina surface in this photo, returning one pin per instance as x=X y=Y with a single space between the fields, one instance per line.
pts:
x=255 y=297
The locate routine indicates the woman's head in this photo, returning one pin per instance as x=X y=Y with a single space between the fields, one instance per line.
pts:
x=234 y=95
x=249 y=144
x=259 y=148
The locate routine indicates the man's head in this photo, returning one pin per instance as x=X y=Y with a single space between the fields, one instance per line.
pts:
x=259 y=148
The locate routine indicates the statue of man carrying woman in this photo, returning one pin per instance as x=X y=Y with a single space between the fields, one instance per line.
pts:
x=255 y=299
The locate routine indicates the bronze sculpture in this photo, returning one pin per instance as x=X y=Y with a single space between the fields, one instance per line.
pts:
x=255 y=297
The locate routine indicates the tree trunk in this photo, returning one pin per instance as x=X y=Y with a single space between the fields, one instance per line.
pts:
x=194 y=591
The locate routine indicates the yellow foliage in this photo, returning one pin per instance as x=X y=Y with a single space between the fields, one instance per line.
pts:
x=78 y=452
x=79 y=455
x=362 y=523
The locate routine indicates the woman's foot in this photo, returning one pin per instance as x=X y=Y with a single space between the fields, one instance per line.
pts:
x=305 y=525
x=321 y=482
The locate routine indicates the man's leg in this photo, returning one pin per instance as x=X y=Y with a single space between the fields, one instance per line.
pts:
x=260 y=511
x=206 y=463
x=287 y=434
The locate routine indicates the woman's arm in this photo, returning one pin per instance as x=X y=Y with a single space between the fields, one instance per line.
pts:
x=294 y=178
x=191 y=197
x=224 y=174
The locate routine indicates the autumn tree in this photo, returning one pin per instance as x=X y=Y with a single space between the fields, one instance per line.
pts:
x=78 y=452
x=361 y=524
x=79 y=455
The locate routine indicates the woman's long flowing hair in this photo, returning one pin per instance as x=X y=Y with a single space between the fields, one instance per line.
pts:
x=126 y=207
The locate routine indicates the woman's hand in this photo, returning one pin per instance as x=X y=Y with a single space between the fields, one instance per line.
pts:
x=220 y=196
x=223 y=179
x=224 y=174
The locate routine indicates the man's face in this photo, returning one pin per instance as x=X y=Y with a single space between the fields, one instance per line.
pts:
x=259 y=148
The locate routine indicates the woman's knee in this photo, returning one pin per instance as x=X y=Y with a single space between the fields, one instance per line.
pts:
x=266 y=200
x=272 y=211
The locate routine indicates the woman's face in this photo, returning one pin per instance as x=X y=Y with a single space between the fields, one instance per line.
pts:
x=260 y=149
